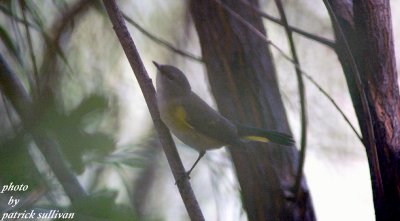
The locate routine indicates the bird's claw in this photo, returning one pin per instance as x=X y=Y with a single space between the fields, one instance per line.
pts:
x=183 y=177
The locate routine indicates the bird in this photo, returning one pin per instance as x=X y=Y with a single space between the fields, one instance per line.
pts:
x=196 y=123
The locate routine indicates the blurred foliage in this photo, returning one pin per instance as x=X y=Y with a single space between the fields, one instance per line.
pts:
x=34 y=38
x=71 y=133
x=64 y=68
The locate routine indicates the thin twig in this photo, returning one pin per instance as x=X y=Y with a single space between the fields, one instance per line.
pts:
x=334 y=104
x=148 y=90
x=162 y=41
x=52 y=38
x=322 y=40
x=369 y=139
x=59 y=27
x=16 y=18
x=287 y=57
x=31 y=52
x=303 y=108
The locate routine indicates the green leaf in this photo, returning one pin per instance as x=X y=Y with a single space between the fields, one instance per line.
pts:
x=69 y=130
x=123 y=158
x=90 y=104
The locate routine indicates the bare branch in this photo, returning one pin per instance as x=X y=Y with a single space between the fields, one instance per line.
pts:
x=148 y=90
x=59 y=27
x=334 y=104
x=316 y=38
x=162 y=42
x=303 y=104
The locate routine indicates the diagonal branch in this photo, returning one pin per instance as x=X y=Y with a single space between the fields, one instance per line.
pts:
x=319 y=87
x=58 y=32
x=162 y=41
x=148 y=90
x=22 y=102
x=7 y=12
x=60 y=26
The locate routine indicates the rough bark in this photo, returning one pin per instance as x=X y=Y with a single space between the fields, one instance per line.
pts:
x=243 y=81
x=368 y=30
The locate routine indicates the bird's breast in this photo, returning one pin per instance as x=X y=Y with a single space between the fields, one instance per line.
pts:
x=175 y=117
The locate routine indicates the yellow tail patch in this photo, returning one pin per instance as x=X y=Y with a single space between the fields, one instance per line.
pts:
x=257 y=138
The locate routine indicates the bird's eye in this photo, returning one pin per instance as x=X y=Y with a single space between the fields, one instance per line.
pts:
x=170 y=76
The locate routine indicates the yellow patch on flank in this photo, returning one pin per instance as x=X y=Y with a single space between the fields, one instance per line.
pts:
x=180 y=115
x=257 y=138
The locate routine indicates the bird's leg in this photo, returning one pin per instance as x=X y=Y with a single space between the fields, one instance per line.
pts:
x=201 y=154
x=187 y=174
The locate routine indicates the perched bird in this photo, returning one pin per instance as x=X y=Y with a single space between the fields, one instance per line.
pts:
x=198 y=125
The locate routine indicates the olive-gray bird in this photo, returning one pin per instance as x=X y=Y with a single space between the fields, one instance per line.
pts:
x=198 y=125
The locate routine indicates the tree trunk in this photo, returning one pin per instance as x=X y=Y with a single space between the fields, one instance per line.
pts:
x=367 y=28
x=243 y=81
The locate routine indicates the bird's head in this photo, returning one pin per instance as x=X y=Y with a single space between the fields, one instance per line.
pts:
x=171 y=80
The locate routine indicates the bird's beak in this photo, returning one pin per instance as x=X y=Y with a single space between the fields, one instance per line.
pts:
x=157 y=65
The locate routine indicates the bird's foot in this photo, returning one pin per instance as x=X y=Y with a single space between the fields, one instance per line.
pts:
x=186 y=175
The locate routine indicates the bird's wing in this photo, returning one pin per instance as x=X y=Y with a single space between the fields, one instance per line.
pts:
x=201 y=117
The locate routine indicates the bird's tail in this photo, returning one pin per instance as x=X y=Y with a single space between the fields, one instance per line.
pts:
x=260 y=135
